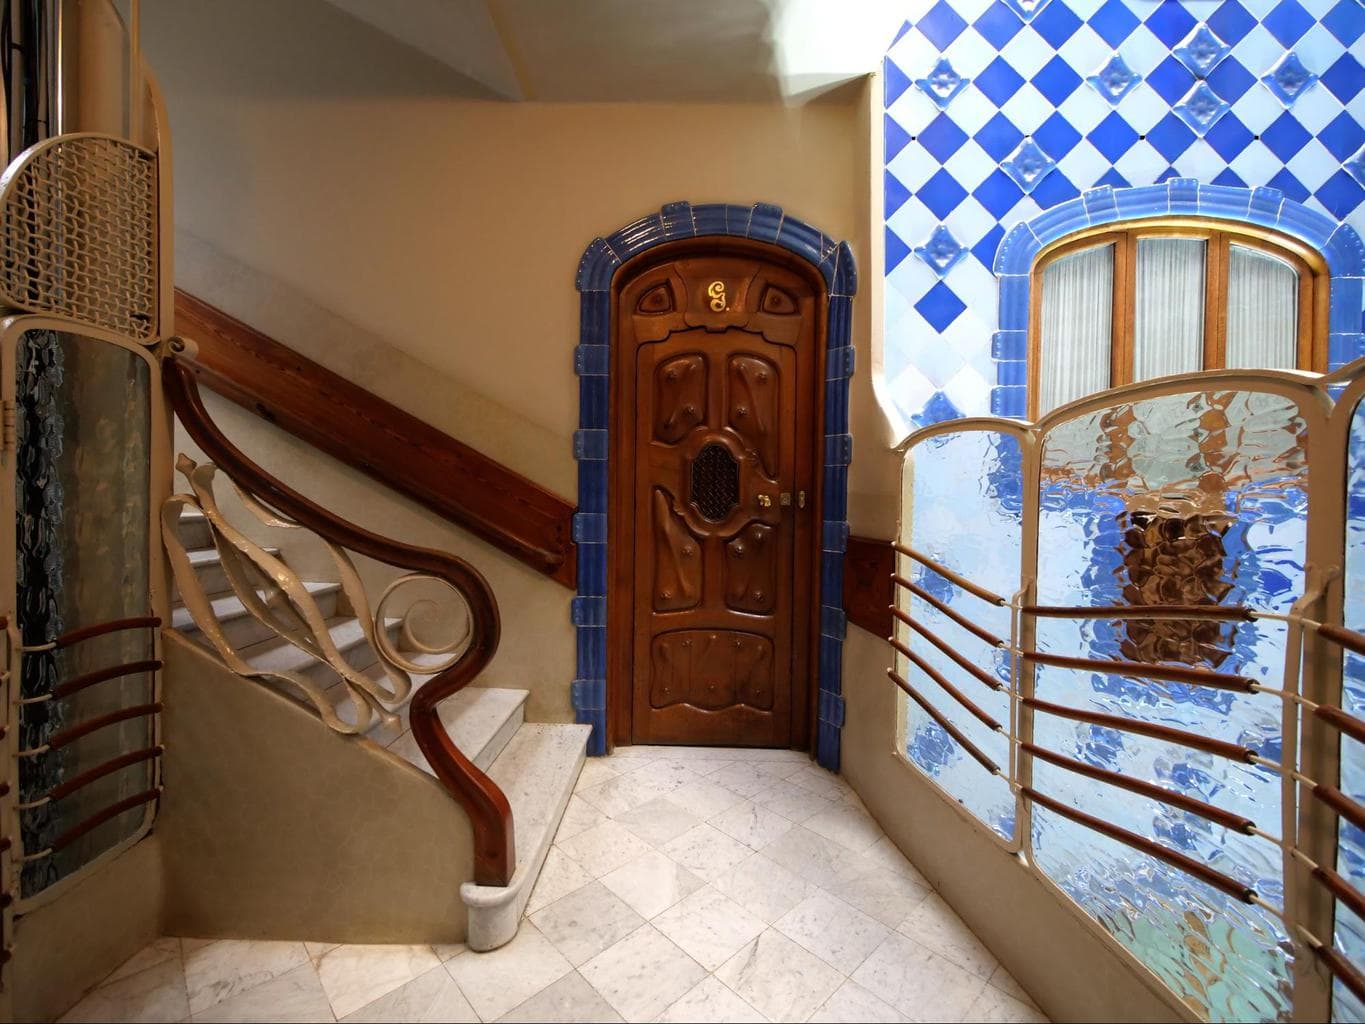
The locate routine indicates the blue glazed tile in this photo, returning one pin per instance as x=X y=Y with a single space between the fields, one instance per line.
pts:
x=1054 y=189
x=998 y=24
x=588 y=694
x=1113 y=22
x=1014 y=371
x=1291 y=186
x=1009 y=400
x=594 y=397
x=1345 y=78
x=938 y=409
x=1184 y=195
x=588 y=611
x=998 y=193
x=591 y=360
x=1202 y=51
x=765 y=221
x=1016 y=251
x=835 y=493
x=637 y=236
x=1231 y=21
x=1288 y=79
x=592 y=653
x=1114 y=79
x=1056 y=24
x=840 y=362
x=1230 y=179
x=1228 y=137
x=941 y=25
x=1056 y=81
x=590 y=528
x=1014 y=291
x=896 y=250
x=894 y=82
x=940 y=306
x=1060 y=220
x=1009 y=346
x=941 y=194
x=998 y=82
x=677 y=220
x=1343 y=349
x=1027 y=9
x=799 y=237
x=831 y=708
x=1340 y=193
x=831 y=575
x=592 y=486
x=1344 y=251
x=1028 y=165
x=1345 y=22
x=1113 y=179
x=1265 y=206
x=1100 y=205
x=1223 y=202
x=941 y=138
x=985 y=250
x=594 y=316
x=1171 y=80
x=834 y=536
x=1231 y=81
x=833 y=622
x=592 y=571
x=894 y=138
x=942 y=84
x=838 y=449
x=599 y=262
x=1056 y=136
x=998 y=137
x=1170 y=136
x=1169 y=22
x=836 y=406
x=1355 y=166
x=590 y=445
x=1201 y=108
x=845 y=280
x=941 y=251
x=1342 y=137
x=710 y=219
x=894 y=193
x=1305 y=223
x=840 y=325
x=1347 y=297
x=1288 y=22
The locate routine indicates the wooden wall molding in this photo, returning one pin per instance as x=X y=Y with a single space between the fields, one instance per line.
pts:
x=378 y=438
x=868 y=596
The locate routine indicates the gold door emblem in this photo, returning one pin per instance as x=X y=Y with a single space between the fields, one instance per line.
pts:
x=716 y=292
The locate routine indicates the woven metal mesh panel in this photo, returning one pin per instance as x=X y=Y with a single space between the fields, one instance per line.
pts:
x=79 y=234
x=715 y=482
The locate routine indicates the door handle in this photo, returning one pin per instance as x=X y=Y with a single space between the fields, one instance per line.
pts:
x=765 y=501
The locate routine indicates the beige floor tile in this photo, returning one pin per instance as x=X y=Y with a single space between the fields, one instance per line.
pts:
x=918 y=982
x=853 y=1004
x=355 y=976
x=992 y=1005
x=317 y=950
x=884 y=853
x=643 y=974
x=652 y=883
x=596 y=770
x=570 y=1000
x=883 y=894
x=586 y=921
x=618 y=795
x=706 y=851
x=604 y=848
x=818 y=860
x=704 y=798
x=742 y=778
x=658 y=821
x=848 y=826
x=559 y=876
x=763 y=887
x=779 y=978
x=222 y=969
x=934 y=925
x=497 y=981
x=792 y=801
x=820 y=782
x=709 y=927
x=832 y=930
x=430 y=997
x=752 y=824
x=158 y=952
x=710 y=1001
x=1006 y=983
x=295 y=996
x=579 y=816
x=450 y=950
x=156 y=994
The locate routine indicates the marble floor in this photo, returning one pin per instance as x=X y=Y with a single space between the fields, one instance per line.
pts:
x=685 y=884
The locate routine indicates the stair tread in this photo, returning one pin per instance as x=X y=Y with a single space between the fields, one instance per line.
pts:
x=536 y=764
x=229 y=606
x=473 y=717
x=201 y=557
x=277 y=654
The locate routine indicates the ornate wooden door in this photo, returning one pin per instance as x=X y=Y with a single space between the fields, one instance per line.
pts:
x=716 y=354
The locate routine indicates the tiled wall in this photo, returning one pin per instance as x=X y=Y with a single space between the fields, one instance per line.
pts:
x=997 y=111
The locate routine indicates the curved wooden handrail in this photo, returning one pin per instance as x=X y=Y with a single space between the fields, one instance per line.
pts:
x=490 y=814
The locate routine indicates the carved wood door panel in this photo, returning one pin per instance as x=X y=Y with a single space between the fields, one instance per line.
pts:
x=718 y=351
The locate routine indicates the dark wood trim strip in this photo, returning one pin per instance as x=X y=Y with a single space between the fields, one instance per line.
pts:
x=1341 y=889
x=96 y=820
x=954 y=578
x=1221 y=613
x=1341 y=803
x=101 y=628
x=949 y=688
x=101 y=770
x=103 y=675
x=868 y=592
x=490 y=815
x=1161 y=732
x=947 y=726
x=74 y=733
x=1342 y=969
x=975 y=671
x=1343 y=722
x=1342 y=637
x=1214 y=814
x=378 y=438
x=1203 y=872
x=930 y=599
x=1142 y=670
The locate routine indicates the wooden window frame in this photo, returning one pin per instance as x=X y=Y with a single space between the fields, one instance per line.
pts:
x=1219 y=236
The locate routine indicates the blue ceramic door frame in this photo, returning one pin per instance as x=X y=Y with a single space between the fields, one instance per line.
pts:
x=1265 y=207
x=592 y=363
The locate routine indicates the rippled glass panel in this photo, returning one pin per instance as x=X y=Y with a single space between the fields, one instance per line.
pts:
x=961 y=506
x=1195 y=498
x=1350 y=929
x=82 y=490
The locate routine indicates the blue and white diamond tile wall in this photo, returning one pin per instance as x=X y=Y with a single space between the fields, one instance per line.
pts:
x=997 y=110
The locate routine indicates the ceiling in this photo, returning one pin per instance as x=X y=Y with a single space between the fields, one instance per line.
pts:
x=651 y=50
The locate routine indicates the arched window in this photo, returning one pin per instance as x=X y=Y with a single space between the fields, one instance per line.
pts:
x=1121 y=304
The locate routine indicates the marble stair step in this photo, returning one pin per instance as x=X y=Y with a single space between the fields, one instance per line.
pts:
x=194 y=530
x=537 y=771
x=240 y=626
x=208 y=566
x=480 y=719
x=279 y=655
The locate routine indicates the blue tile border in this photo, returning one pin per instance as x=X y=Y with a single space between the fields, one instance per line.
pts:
x=1339 y=244
x=601 y=259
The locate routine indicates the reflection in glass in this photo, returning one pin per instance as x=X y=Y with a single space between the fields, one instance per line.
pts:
x=1078 y=303
x=1189 y=498
x=83 y=488
x=961 y=502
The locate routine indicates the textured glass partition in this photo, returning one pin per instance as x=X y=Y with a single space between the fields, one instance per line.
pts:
x=82 y=482
x=961 y=508
x=1187 y=499
x=1350 y=929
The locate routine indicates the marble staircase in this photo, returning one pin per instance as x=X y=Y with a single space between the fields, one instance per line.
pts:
x=535 y=765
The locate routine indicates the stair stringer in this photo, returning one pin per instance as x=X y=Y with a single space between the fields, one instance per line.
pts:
x=275 y=827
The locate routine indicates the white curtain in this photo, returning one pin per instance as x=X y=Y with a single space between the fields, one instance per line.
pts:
x=1263 y=310
x=1078 y=306
x=1168 y=333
